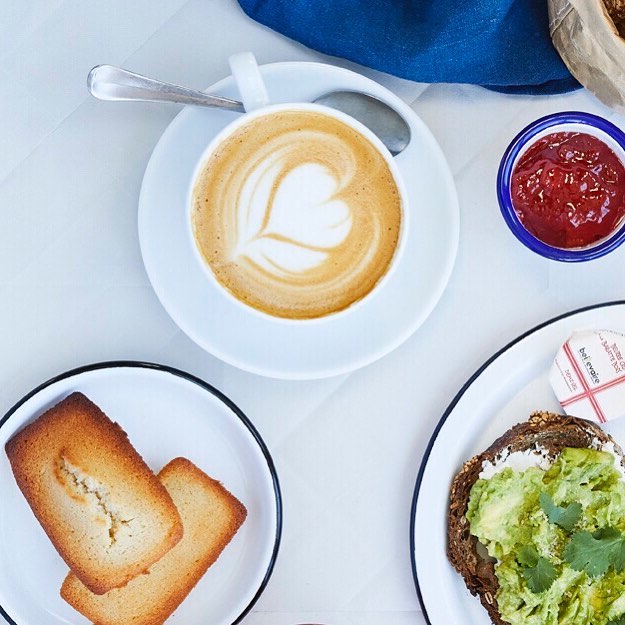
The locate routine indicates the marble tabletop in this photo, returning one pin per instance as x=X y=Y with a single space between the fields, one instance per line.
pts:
x=74 y=290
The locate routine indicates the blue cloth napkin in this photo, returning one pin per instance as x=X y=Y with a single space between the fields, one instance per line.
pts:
x=500 y=44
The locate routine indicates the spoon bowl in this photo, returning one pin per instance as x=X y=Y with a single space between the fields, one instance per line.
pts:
x=107 y=82
x=384 y=121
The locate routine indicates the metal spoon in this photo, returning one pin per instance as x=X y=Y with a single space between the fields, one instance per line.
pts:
x=107 y=82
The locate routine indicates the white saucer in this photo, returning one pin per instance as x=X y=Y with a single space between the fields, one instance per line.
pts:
x=257 y=343
x=166 y=414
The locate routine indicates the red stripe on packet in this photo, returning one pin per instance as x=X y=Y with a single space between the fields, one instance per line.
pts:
x=588 y=392
x=594 y=391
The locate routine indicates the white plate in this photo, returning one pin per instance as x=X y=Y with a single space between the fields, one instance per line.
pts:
x=307 y=350
x=504 y=391
x=166 y=414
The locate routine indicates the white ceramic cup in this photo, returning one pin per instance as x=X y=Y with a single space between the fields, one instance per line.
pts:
x=256 y=102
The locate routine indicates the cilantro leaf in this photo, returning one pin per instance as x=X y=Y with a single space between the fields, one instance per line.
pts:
x=566 y=518
x=618 y=557
x=538 y=572
x=596 y=552
x=540 y=577
x=527 y=556
x=616 y=546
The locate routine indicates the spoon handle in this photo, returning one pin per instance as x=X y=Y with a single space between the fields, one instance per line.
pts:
x=107 y=82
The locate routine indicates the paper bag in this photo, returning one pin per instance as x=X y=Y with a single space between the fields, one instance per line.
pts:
x=590 y=44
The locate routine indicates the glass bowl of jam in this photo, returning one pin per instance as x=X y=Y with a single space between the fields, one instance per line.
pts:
x=561 y=186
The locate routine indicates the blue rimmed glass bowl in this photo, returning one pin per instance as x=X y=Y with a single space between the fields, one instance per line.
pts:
x=569 y=121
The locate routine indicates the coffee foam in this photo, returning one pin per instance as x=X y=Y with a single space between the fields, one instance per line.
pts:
x=297 y=214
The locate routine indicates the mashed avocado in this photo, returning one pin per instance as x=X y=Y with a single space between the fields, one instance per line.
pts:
x=506 y=516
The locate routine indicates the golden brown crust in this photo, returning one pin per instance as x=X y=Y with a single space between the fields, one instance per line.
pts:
x=104 y=510
x=547 y=430
x=211 y=517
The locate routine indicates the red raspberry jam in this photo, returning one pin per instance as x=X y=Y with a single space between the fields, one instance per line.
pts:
x=568 y=190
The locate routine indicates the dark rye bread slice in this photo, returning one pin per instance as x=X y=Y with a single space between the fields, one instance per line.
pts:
x=106 y=513
x=547 y=430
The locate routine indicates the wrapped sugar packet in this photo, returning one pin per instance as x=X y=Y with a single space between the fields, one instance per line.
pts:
x=588 y=375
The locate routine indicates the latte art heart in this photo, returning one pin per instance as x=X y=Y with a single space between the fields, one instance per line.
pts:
x=289 y=216
x=297 y=214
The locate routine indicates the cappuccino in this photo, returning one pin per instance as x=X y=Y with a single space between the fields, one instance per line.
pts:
x=296 y=213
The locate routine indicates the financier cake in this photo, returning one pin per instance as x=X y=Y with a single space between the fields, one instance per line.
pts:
x=106 y=513
x=211 y=517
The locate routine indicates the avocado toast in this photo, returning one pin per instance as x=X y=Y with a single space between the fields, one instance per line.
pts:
x=536 y=524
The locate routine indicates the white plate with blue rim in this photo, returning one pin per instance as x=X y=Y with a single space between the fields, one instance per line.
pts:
x=166 y=413
x=504 y=391
x=258 y=343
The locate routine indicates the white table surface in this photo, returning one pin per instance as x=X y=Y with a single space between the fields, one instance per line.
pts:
x=74 y=291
